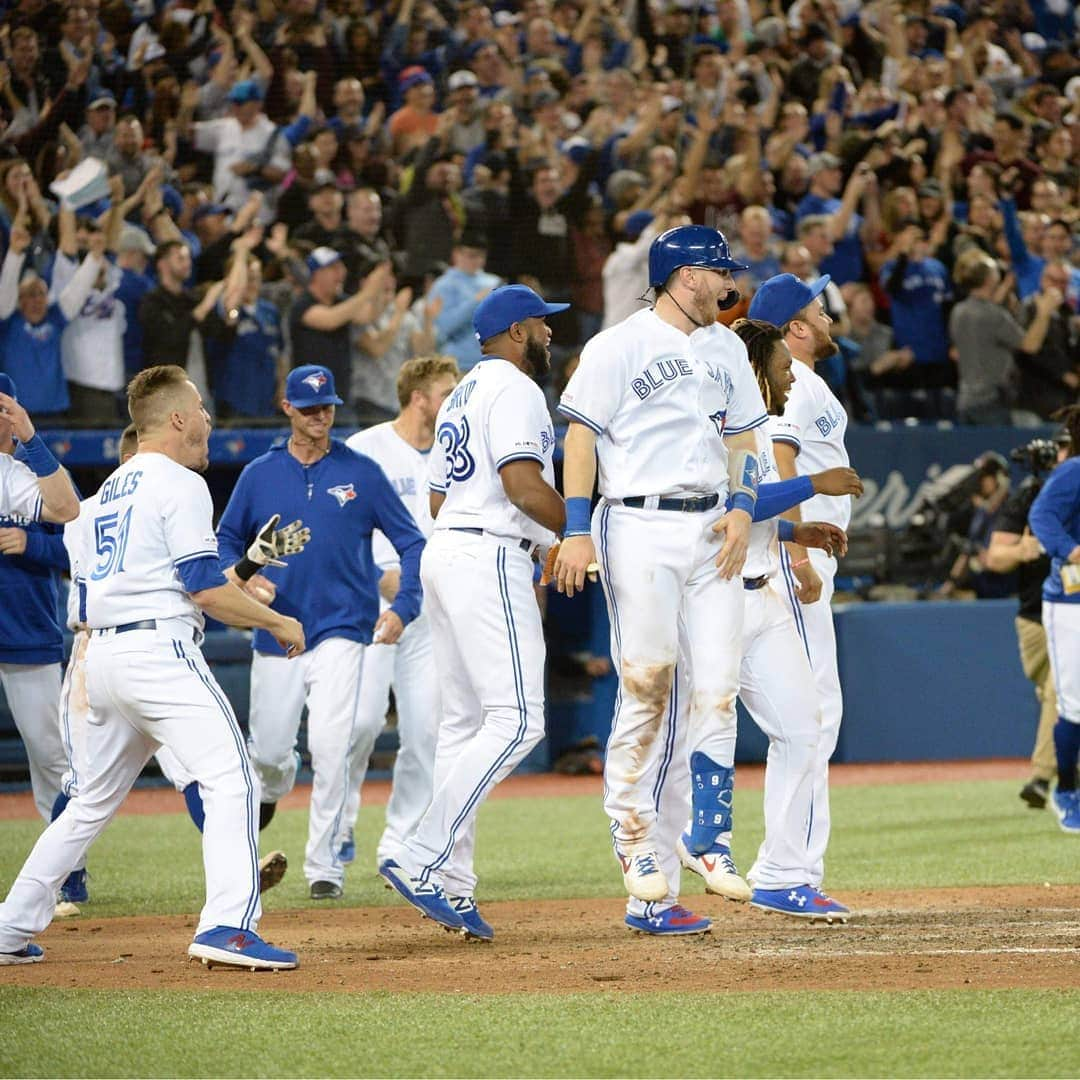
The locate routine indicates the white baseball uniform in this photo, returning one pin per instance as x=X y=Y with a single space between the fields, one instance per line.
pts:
x=150 y=544
x=485 y=623
x=661 y=403
x=406 y=666
x=817 y=427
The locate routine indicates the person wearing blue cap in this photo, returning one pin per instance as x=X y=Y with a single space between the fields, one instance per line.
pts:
x=817 y=423
x=668 y=404
x=332 y=588
x=494 y=503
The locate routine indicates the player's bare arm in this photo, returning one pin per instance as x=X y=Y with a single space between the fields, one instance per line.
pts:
x=1008 y=550
x=59 y=502
x=435 y=501
x=577 y=552
x=806 y=576
x=231 y=605
x=838 y=481
x=527 y=489
x=734 y=526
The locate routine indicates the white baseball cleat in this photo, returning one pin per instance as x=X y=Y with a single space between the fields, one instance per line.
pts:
x=716 y=868
x=642 y=876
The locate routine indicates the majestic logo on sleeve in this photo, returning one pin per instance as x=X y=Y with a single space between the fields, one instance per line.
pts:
x=316 y=380
x=344 y=493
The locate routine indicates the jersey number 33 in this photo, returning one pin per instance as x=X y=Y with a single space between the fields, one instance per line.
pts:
x=454 y=440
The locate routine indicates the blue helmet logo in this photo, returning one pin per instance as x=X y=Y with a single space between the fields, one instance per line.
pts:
x=689 y=245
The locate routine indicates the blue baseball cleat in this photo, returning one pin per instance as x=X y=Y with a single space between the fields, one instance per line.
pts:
x=669 y=922
x=428 y=898
x=475 y=924
x=29 y=954
x=232 y=947
x=348 y=849
x=74 y=890
x=1066 y=805
x=802 y=901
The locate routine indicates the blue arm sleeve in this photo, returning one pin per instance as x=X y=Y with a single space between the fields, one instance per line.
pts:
x=199 y=574
x=1055 y=504
x=1018 y=251
x=46 y=548
x=232 y=528
x=397 y=524
x=773 y=499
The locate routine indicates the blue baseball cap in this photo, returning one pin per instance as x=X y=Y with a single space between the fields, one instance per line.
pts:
x=503 y=307
x=244 y=91
x=7 y=386
x=322 y=257
x=309 y=385
x=781 y=298
x=637 y=222
x=208 y=210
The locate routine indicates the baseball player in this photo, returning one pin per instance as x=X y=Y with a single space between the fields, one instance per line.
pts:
x=1055 y=521
x=151 y=569
x=668 y=404
x=31 y=644
x=74 y=709
x=493 y=503
x=344 y=497
x=401 y=448
x=815 y=424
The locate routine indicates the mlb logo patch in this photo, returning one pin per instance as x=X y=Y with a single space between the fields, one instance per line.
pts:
x=344 y=493
x=316 y=380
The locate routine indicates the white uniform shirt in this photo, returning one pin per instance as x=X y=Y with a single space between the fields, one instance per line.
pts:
x=20 y=495
x=230 y=143
x=820 y=420
x=92 y=346
x=763 y=554
x=626 y=277
x=495 y=415
x=660 y=403
x=407 y=470
x=73 y=540
x=151 y=516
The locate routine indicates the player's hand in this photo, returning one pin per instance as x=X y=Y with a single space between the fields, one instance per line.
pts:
x=271 y=544
x=821 y=534
x=12 y=541
x=839 y=481
x=289 y=634
x=576 y=560
x=388 y=628
x=735 y=527
x=808 y=582
x=389 y=584
x=260 y=588
x=1074 y=555
x=17 y=416
x=1028 y=548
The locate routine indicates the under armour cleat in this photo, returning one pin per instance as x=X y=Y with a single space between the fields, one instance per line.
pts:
x=642 y=876
x=801 y=902
x=717 y=868
x=672 y=921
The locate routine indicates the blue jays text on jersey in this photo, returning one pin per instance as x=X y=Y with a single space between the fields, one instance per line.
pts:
x=331 y=587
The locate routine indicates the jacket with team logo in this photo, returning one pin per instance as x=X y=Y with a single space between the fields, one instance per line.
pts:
x=332 y=585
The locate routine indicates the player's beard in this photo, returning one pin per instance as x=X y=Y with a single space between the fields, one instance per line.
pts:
x=538 y=357
x=824 y=346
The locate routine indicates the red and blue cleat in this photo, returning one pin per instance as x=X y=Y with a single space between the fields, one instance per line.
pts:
x=669 y=922
x=802 y=902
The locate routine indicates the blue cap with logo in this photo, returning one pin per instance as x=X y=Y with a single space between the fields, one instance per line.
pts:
x=503 y=307
x=310 y=385
x=781 y=298
x=322 y=257
x=7 y=386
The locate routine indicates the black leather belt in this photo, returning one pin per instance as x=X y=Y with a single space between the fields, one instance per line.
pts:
x=525 y=545
x=123 y=628
x=755 y=582
x=692 y=504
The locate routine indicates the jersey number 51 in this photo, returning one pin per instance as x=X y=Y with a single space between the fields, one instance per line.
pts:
x=110 y=541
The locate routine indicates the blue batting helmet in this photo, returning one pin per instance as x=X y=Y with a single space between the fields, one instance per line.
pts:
x=689 y=245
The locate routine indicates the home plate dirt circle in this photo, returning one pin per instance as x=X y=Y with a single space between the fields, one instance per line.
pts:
x=983 y=938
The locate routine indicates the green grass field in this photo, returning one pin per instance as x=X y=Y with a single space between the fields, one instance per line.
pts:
x=896 y=836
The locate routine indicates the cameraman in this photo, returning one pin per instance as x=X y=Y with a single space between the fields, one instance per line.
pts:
x=1013 y=548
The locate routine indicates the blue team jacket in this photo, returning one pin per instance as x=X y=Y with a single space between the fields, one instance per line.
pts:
x=332 y=586
x=1055 y=520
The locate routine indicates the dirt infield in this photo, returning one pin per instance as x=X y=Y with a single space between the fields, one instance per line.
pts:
x=927 y=939
x=163 y=800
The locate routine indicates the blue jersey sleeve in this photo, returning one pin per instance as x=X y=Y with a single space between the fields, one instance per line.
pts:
x=234 y=526
x=1056 y=505
x=397 y=524
x=45 y=546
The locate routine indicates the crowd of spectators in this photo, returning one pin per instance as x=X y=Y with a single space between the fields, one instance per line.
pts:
x=341 y=181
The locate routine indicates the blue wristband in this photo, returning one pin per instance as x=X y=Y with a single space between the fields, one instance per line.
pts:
x=578 y=517
x=39 y=457
x=742 y=501
x=786 y=530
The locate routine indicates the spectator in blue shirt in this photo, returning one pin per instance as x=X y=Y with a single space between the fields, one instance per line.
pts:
x=918 y=286
x=461 y=288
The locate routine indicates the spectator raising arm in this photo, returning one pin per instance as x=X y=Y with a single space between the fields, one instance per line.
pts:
x=356 y=309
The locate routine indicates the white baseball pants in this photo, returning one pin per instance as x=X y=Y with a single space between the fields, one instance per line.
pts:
x=326 y=679
x=32 y=691
x=149 y=688
x=489 y=655
x=408 y=667
x=1062 y=623
x=815 y=625
x=666 y=601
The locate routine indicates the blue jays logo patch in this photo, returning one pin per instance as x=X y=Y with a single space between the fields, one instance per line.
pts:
x=316 y=380
x=344 y=493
